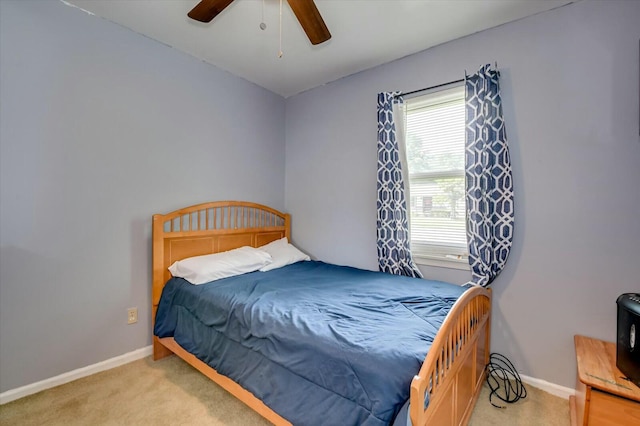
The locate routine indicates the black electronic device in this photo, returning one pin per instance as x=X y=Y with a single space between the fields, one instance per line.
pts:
x=628 y=342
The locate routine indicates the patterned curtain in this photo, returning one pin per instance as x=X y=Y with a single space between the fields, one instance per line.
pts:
x=489 y=186
x=394 y=254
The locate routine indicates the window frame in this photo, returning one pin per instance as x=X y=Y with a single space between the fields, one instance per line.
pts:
x=445 y=256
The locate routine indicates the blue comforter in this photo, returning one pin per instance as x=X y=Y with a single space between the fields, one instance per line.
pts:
x=318 y=343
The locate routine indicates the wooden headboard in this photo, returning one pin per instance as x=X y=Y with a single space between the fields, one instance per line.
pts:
x=210 y=228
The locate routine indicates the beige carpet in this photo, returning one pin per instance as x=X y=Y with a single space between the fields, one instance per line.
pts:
x=170 y=392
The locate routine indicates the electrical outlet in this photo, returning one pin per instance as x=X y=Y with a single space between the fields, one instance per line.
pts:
x=132 y=315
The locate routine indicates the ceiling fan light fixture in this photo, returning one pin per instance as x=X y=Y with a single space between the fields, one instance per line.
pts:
x=305 y=11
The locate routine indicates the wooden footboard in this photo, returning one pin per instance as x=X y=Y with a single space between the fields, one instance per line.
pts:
x=453 y=371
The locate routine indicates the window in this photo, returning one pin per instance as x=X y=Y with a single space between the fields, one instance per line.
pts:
x=435 y=140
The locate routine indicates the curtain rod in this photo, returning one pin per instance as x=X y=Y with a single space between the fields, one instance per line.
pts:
x=441 y=85
x=432 y=87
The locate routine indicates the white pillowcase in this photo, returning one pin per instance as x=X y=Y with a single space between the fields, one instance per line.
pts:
x=210 y=267
x=282 y=254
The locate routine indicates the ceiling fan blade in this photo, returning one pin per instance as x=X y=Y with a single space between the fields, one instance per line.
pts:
x=310 y=20
x=206 y=10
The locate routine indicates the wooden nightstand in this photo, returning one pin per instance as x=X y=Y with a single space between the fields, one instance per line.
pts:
x=603 y=396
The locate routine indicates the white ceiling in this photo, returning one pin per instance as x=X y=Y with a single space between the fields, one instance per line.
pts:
x=365 y=33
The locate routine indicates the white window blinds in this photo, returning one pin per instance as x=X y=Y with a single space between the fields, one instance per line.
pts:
x=435 y=139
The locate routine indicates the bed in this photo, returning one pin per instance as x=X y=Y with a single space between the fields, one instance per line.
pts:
x=444 y=386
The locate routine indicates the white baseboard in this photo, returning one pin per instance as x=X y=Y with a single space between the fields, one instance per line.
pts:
x=13 y=394
x=552 y=388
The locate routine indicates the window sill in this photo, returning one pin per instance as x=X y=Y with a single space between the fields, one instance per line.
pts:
x=442 y=262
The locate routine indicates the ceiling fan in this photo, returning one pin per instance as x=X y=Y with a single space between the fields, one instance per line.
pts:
x=305 y=10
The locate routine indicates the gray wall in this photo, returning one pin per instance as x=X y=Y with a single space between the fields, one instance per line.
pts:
x=99 y=129
x=570 y=93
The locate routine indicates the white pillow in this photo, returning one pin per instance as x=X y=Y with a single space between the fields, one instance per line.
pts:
x=282 y=254
x=210 y=267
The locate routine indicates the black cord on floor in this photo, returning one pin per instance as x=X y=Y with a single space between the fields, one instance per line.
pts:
x=503 y=380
